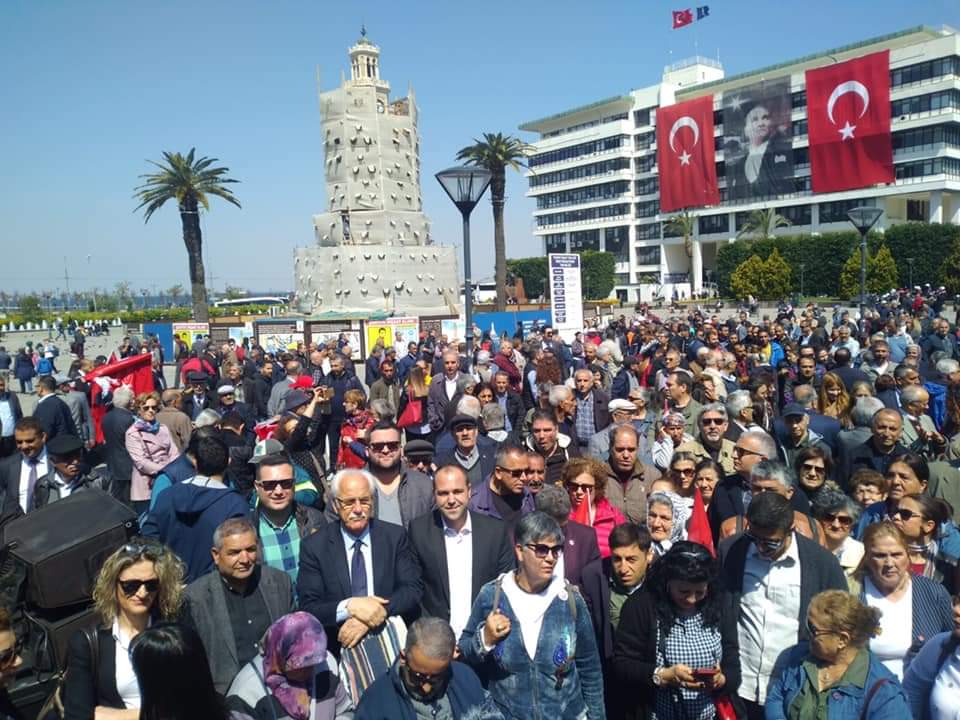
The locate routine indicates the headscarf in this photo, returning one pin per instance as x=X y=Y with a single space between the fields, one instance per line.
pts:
x=294 y=641
x=681 y=513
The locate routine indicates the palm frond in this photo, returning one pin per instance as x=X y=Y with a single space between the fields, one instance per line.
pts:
x=184 y=178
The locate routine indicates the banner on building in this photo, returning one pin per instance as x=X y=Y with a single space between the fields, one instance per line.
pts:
x=685 y=155
x=566 y=296
x=848 y=122
x=190 y=332
x=393 y=331
x=757 y=138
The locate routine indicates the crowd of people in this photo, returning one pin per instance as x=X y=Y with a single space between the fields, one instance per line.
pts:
x=669 y=518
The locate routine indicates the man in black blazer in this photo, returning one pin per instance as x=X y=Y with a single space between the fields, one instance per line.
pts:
x=51 y=411
x=772 y=573
x=476 y=454
x=16 y=470
x=458 y=551
x=114 y=426
x=357 y=572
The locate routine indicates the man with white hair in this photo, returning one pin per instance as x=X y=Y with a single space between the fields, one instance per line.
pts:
x=592 y=414
x=443 y=388
x=114 y=426
x=358 y=571
x=919 y=434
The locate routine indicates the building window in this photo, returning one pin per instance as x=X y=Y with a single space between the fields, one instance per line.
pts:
x=647 y=209
x=927 y=138
x=799 y=128
x=556 y=243
x=591 y=193
x=939 y=68
x=714 y=223
x=649 y=231
x=615 y=241
x=798 y=215
x=801 y=157
x=584 y=215
x=798 y=100
x=648 y=255
x=581 y=150
x=641 y=117
x=644 y=141
x=945 y=100
x=645 y=164
x=918 y=210
x=585 y=240
x=580 y=172
x=921 y=168
x=837 y=211
x=647 y=186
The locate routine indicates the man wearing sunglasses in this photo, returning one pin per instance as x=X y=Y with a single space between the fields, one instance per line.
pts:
x=710 y=442
x=772 y=573
x=68 y=473
x=280 y=521
x=505 y=495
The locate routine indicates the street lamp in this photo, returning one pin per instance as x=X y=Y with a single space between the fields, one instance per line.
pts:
x=803 y=266
x=910 y=263
x=863 y=218
x=465 y=185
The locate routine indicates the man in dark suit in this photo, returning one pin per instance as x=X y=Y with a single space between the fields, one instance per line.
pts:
x=592 y=412
x=114 y=426
x=511 y=403
x=357 y=572
x=458 y=551
x=51 y=411
x=20 y=473
x=232 y=607
x=197 y=397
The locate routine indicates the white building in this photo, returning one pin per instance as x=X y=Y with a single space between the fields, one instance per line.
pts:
x=373 y=246
x=594 y=170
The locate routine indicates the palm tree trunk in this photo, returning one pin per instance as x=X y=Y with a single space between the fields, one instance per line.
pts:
x=190 y=219
x=497 y=196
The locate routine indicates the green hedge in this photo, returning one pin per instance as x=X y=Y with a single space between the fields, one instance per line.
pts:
x=824 y=255
x=134 y=316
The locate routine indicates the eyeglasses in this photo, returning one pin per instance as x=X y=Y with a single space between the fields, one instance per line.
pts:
x=8 y=656
x=580 y=486
x=844 y=520
x=737 y=450
x=380 y=447
x=712 y=421
x=905 y=514
x=815 y=632
x=766 y=544
x=686 y=472
x=132 y=587
x=271 y=485
x=514 y=472
x=346 y=503
x=818 y=469
x=541 y=550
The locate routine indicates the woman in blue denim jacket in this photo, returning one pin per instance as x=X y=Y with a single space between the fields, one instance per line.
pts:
x=530 y=637
x=835 y=676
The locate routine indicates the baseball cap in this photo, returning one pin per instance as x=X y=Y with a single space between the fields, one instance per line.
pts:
x=265 y=448
x=793 y=409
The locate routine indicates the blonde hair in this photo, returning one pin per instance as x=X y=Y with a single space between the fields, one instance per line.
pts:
x=169 y=569
x=874 y=532
x=417 y=383
x=356 y=397
x=143 y=397
x=845 y=613
x=841 y=408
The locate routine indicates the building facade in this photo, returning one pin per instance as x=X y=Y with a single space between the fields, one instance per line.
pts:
x=593 y=173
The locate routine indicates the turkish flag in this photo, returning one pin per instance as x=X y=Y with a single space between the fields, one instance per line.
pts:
x=682 y=18
x=685 y=155
x=698 y=527
x=848 y=123
x=135 y=371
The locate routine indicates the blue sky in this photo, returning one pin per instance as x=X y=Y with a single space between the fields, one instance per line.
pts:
x=91 y=89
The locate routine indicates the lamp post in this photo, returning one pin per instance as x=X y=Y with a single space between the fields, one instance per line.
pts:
x=465 y=185
x=863 y=218
x=803 y=266
x=910 y=263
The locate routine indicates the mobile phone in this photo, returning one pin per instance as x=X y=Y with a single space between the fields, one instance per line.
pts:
x=704 y=674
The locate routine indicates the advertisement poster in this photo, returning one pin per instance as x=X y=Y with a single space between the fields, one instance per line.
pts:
x=566 y=300
x=757 y=139
x=386 y=331
x=190 y=332
x=322 y=337
x=279 y=341
x=239 y=333
x=453 y=329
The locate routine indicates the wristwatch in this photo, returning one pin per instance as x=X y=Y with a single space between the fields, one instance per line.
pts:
x=657 y=679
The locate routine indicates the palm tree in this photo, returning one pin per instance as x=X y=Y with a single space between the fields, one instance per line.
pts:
x=189 y=182
x=496 y=153
x=175 y=292
x=683 y=225
x=762 y=224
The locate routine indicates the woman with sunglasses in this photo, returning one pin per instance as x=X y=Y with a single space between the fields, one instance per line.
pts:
x=151 y=448
x=10 y=662
x=677 y=638
x=813 y=466
x=585 y=480
x=139 y=584
x=836 y=513
x=927 y=525
x=530 y=636
x=914 y=608
x=293 y=678
x=683 y=470
x=835 y=675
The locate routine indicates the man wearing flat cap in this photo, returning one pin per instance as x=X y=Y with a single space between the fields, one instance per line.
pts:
x=418 y=455
x=477 y=460
x=197 y=398
x=67 y=474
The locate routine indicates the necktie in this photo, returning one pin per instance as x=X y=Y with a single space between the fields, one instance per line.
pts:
x=358 y=572
x=31 y=482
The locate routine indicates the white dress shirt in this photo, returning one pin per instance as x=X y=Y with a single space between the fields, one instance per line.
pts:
x=43 y=468
x=127 y=686
x=459 y=547
x=348 y=542
x=450 y=386
x=769 y=617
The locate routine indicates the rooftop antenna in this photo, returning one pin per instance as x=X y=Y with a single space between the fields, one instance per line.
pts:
x=66 y=275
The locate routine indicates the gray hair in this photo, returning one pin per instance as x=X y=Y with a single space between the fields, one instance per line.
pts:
x=912 y=393
x=716 y=407
x=207 y=417
x=774 y=470
x=506 y=451
x=468 y=405
x=554 y=501
x=645 y=393
x=947 y=366
x=230 y=527
x=383 y=408
x=831 y=499
x=433 y=636
x=768 y=446
x=559 y=393
x=123 y=397
x=864 y=409
x=737 y=401
x=483 y=358
x=493 y=416
x=805 y=395
x=610 y=348
x=537 y=526
x=338 y=477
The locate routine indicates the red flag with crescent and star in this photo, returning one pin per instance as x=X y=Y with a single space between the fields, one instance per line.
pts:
x=848 y=123
x=685 y=155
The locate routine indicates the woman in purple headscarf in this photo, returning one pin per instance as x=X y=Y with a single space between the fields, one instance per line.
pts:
x=293 y=678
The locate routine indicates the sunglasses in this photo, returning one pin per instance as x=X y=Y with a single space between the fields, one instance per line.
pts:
x=271 y=485
x=379 y=447
x=765 y=543
x=517 y=473
x=419 y=459
x=421 y=679
x=815 y=632
x=905 y=514
x=737 y=450
x=151 y=407
x=844 y=520
x=541 y=550
x=818 y=469
x=132 y=587
x=137 y=548
x=712 y=421
x=686 y=472
x=581 y=486
x=8 y=656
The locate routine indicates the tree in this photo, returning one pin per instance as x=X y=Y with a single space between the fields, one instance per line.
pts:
x=881 y=273
x=533 y=272
x=175 y=292
x=775 y=281
x=597 y=274
x=950 y=270
x=762 y=224
x=190 y=182
x=746 y=279
x=231 y=292
x=682 y=225
x=497 y=152
x=31 y=308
